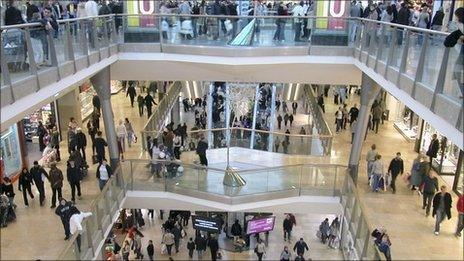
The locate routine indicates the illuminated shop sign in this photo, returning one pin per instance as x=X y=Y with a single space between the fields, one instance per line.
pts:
x=141 y=7
x=331 y=8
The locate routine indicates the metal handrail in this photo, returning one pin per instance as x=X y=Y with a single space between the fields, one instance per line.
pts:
x=18 y=26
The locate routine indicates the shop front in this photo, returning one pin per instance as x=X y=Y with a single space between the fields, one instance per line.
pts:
x=11 y=158
x=47 y=115
x=86 y=93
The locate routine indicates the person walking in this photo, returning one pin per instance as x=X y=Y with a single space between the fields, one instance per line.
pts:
x=81 y=142
x=41 y=132
x=191 y=247
x=103 y=174
x=377 y=173
x=300 y=247
x=150 y=250
x=200 y=245
x=441 y=206
x=100 y=145
x=130 y=132
x=324 y=228
x=121 y=133
x=149 y=102
x=39 y=175
x=260 y=249
x=287 y=226
x=276 y=143
x=353 y=129
x=24 y=184
x=236 y=230
x=376 y=117
x=74 y=175
x=213 y=247
x=370 y=158
x=285 y=255
x=140 y=104
x=430 y=186
x=294 y=107
x=339 y=119
x=396 y=167
x=64 y=212
x=56 y=183
x=353 y=113
x=418 y=170
x=202 y=146
x=131 y=93
x=290 y=119
x=432 y=151
x=279 y=121
x=168 y=240
x=286 y=118
x=55 y=142
x=460 y=209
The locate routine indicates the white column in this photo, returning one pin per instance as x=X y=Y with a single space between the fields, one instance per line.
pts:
x=255 y=110
x=273 y=119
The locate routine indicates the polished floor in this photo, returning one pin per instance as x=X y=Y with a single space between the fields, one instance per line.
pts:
x=401 y=214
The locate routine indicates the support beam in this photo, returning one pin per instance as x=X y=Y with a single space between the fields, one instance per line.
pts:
x=102 y=85
x=369 y=91
x=255 y=111
x=270 y=143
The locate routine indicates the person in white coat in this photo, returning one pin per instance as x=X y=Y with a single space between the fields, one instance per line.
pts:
x=75 y=225
x=121 y=133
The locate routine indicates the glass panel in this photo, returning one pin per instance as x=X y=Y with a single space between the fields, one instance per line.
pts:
x=387 y=40
x=329 y=31
x=412 y=60
x=149 y=175
x=141 y=29
x=102 y=34
x=318 y=180
x=59 y=39
x=188 y=178
x=454 y=80
x=84 y=246
x=433 y=59
x=91 y=29
x=14 y=46
x=399 y=47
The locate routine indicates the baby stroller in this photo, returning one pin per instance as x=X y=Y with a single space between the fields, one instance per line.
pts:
x=172 y=169
x=7 y=213
x=48 y=156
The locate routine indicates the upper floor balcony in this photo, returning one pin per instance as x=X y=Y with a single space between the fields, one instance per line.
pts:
x=410 y=63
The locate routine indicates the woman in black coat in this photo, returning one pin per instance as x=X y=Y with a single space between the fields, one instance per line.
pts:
x=24 y=184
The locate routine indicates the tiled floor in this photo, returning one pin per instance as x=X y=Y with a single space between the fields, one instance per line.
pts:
x=401 y=214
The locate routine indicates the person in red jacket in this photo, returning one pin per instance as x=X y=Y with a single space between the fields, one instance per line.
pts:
x=460 y=208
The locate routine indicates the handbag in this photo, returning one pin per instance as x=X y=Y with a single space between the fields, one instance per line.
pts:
x=163 y=249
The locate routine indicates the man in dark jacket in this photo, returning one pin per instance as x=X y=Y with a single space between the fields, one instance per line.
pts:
x=73 y=174
x=200 y=245
x=201 y=151
x=131 y=93
x=96 y=102
x=13 y=14
x=39 y=175
x=140 y=104
x=177 y=236
x=441 y=207
x=288 y=226
x=56 y=183
x=149 y=102
x=63 y=211
x=300 y=247
x=433 y=148
x=81 y=142
x=213 y=247
x=100 y=145
x=403 y=19
x=236 y=230
x=396 y=167
x=24 y=184
x=430 y=186
x=150 y=250
x=354 y=111
x=104 y=173
x=279 y=121
x=294 y=107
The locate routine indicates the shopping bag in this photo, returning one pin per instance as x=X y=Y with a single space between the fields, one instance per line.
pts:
x=134 y=138
x=164 y=26
x=163 y=249
x=186 y=27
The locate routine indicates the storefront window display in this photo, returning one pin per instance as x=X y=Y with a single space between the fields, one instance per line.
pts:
x=406 y=121
x=448 y=155
x=86 y=93
x=46 y=115
x=458 y=186
x=10 y=151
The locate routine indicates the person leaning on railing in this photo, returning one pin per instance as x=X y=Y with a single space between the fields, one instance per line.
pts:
x=450 y=41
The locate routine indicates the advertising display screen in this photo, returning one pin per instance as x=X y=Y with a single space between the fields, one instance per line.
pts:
x=206 y=224
x=260 y=225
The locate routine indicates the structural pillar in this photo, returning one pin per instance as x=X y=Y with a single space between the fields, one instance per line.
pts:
x=255 y=112
x=209 y=115
x=369 y=91
x=102 y=85
x=227 y=116
x=270 y=143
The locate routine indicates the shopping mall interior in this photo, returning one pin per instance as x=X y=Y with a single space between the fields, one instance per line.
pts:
x=234 y=130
